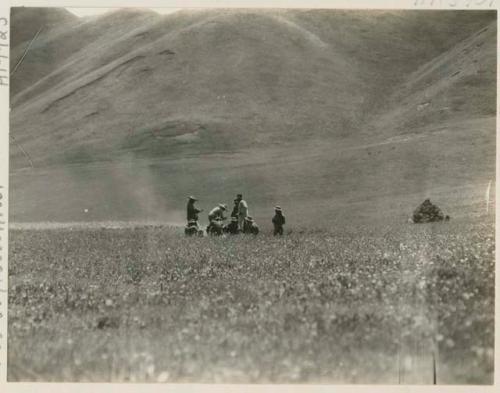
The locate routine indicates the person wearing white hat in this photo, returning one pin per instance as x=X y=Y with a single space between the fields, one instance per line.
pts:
x=216 y=214
x=278 y=221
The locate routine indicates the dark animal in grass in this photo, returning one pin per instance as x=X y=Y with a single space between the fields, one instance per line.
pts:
x=107 y=322
x=428 y=212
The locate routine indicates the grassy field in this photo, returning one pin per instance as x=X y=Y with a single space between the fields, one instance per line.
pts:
x=351 y=305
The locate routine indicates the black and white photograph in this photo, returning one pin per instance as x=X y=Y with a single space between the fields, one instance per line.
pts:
x=252 y=196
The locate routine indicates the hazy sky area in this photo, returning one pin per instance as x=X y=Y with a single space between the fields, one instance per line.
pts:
x=97 y=11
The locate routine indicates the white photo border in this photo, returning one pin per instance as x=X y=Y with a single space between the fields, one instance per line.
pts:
x=4 y=184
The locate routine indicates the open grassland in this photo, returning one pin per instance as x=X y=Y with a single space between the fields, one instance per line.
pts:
x=356 y=305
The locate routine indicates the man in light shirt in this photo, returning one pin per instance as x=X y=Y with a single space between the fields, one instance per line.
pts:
x=216 y=216
x=242 y=211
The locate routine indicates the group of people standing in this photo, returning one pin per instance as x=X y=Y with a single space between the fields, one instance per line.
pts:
x=240 y=220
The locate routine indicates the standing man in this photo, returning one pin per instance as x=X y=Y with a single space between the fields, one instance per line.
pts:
x=278 y=221
x=234 y=213
x=242 y=211
x=192 y=211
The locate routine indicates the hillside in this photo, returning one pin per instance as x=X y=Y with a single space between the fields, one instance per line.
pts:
x=330 y=113
x=27 y=21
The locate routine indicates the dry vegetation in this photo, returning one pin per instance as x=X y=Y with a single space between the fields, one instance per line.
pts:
x=147 y=304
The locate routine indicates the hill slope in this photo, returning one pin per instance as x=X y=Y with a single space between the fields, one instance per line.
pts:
x=27 y=21
x=330 y=113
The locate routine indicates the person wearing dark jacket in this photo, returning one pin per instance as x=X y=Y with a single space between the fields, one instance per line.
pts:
x=192 y=211
x=236 y=207
x=278 y=221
